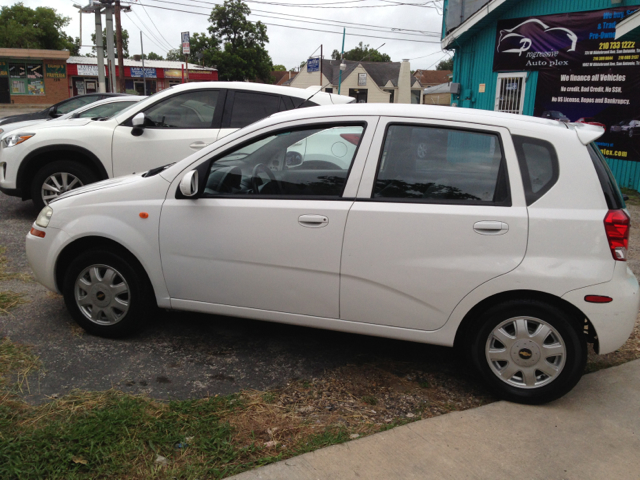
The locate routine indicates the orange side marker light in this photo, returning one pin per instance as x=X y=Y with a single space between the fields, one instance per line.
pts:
x=37 y=233
x=144 y=215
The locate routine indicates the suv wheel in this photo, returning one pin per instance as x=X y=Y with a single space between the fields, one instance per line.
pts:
x=56 y=178
x=529 y=351
x=106 y=295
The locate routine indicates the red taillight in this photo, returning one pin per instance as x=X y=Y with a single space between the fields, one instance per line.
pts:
x=351 y=137
x=616 y=224
x=37 y=233
x=598 y=299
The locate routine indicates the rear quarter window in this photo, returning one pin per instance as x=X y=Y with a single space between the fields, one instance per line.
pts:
x=612 y=194
x=539 y=167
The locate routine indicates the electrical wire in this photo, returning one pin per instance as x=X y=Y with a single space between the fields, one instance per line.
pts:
x=297 y=28
x=154 y=25
x=337 y=22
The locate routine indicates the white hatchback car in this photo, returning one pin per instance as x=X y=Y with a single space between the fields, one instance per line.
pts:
x=507 y=237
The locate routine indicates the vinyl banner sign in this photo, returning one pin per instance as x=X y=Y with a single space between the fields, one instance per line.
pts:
x=143 y=72
x=569 y=40
x=609 y=98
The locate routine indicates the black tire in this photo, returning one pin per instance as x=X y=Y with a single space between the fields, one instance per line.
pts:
x=528 y=352
x=105 y=300
x=75 y=169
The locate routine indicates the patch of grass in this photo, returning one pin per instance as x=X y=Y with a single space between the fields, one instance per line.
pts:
x=370 y=400
x=9 y=300
x=15 y=359
x=5 y=274
x=634 y=197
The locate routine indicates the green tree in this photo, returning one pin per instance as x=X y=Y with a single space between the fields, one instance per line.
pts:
x=24 y=27
x=362 y=53
x=175 y=54
x=125 y=42
x=154 y=56
x=445 y=64
x=279 y=68
x=236 y=46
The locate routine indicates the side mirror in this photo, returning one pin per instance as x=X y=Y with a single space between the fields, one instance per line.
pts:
x=53 y=112
x=189 y=184
x=138 y=124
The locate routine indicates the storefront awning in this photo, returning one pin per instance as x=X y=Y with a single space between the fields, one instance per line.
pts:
x=628 y=29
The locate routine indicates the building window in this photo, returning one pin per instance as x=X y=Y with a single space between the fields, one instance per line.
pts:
x=26 y=78
x=415 y=96
x=328 y=90
x=391 y=95
x=510 y=92
x=362 y=79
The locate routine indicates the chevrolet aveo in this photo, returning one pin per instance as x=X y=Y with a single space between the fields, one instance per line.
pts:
x=502 y=235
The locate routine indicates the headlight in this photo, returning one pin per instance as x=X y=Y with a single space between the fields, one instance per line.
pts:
x=44 y=216
x=16 y=139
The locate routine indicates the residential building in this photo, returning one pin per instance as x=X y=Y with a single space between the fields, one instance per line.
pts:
x=367 y=82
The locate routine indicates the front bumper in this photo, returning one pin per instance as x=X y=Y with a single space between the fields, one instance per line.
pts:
x=614 y=321
x=42 y=254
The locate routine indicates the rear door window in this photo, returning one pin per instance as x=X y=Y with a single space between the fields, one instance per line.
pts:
x=441 y=165
x=249 y=107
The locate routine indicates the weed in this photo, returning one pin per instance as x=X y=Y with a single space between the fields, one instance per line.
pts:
x=370 y=400
x=9 y=300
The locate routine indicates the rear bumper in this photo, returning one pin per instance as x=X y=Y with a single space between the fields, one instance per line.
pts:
x=614 y=321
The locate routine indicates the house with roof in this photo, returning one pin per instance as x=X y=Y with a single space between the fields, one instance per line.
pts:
x=431 y=78
x=565 y=60
x=367 y=82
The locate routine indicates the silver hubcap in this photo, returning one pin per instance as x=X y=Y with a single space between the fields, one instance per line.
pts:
x=526 y=352
x=57 y=184
x=102 y=294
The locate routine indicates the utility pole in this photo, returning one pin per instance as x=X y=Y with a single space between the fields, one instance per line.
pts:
x=144 y=72
x=344 y=33
x=119 y=47
x=111 y=61
x=100 y=51
x=320 y=65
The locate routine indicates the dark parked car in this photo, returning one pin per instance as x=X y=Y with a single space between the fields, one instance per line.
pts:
x=555 y=115
x=60 y=108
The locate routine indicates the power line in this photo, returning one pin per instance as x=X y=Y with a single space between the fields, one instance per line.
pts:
x=338 y=22
x=154 y=24
x=148 y=31
x=301 y=28
x=164 y=49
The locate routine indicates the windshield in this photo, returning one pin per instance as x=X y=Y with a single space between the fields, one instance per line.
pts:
x=107 y=110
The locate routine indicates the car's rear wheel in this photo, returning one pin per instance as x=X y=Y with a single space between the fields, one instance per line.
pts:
x=56 y=178
x=106 y=294
x=529 y=351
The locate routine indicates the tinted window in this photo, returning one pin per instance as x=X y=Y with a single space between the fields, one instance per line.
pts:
x=612 y=194
x=105 y=111
x=299 y=163
x=538 y=165
x=442 y=165
x=75 y=103
x=187 y=110
x=251 y=107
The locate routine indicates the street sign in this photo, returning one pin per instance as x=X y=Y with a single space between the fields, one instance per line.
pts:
x=313 y=65
x=186 y=50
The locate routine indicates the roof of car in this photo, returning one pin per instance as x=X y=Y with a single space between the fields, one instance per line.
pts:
x=258 y=87
x=425 y=111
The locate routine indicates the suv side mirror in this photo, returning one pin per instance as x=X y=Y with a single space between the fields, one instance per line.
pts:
x=138 y=124
x=53 y=112
x=189 y=184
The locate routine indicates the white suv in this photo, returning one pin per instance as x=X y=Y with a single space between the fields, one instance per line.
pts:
x=501 y=234
x=163 y=128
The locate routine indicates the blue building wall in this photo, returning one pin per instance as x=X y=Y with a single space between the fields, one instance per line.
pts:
x=473 y=65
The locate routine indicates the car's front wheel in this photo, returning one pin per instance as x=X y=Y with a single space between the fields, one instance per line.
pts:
x=56 y=178
x=529 y=351
x=106 y=294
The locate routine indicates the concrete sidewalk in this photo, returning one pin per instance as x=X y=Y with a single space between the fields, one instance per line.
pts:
x=591 y=433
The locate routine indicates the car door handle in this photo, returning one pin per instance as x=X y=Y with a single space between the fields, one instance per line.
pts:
x=491 y=227
x=198 y=145
x=313 y=221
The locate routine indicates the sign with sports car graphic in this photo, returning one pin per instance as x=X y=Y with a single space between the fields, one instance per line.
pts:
x=569 y=40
